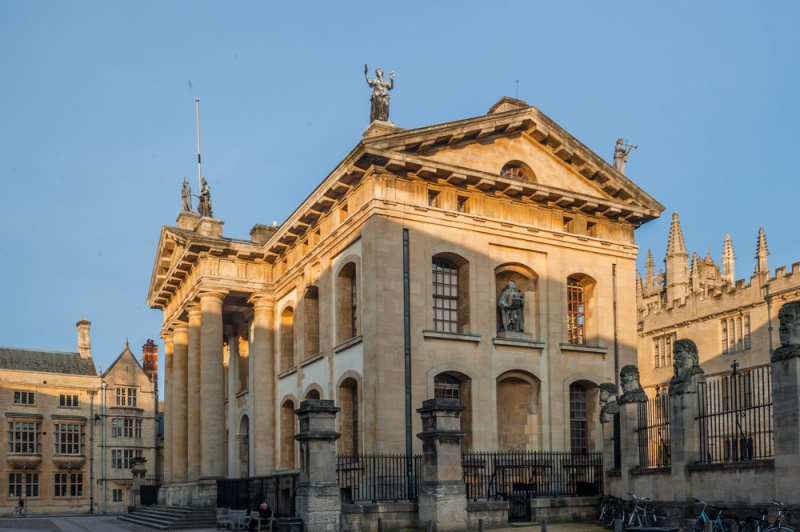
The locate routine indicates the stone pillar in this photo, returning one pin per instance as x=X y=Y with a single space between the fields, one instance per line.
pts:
x=318 y=499
x=139 y=472
x=179 y=428
x=212 y=413
x=786 y=430
x=442 y=496
x=168 y=408
x=629 y=443
x=262 y=376
x=685 y=449
x=193 y=396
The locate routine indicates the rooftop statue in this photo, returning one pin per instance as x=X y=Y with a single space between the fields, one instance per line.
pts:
x=621 y=152
x=686 y=365
x=186 y=196
x=608 y=402
x=204 y=207
x=380 y=94
x=789 y=331
x=511 y=304
x=632 y=391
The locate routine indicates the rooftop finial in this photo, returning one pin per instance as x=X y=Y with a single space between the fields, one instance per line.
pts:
x=761 y=252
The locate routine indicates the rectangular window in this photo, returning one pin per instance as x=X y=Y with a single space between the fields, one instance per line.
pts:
x=724 y=337
x=735 y=334
x=747 y=331
x=23 y=437
x=68 y=400
x=576 y=333
x=656 y=346
x=116 y=495
x=432 y=198
x=68 y=484
x=445 y=296
x=461 y=205
x=23 y=484
x=354 y=305
x=138 y=428
x=24 y=398
x=578 y=430
x=123 y=458
x=116 y=459
x=116 y=428
x=69 y=438
x=128 y=428
x=126 y=396
x=662 y=346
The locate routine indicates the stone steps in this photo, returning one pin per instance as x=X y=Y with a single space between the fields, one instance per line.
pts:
x=172 y=517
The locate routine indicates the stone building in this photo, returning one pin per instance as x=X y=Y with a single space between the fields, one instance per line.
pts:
x=315 y=308
x=696 y=298
x=70 y=432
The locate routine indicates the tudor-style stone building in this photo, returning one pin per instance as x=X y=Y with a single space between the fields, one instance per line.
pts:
x=314 y=308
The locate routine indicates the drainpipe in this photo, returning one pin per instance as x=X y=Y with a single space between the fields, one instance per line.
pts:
x=407 y=344
x=104 y=453
x=616 y=338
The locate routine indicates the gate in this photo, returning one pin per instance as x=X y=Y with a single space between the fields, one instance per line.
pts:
x=149 y=494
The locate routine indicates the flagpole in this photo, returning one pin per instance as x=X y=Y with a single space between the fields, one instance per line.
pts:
x=199 y=166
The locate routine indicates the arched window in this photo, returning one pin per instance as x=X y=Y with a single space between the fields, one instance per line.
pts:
x=578 y=419
x=347 y=303
x=288 y=430
x=517 y=170
x=348 y=417
x=581 y=323
x=457 y=386
x=311 y=322
x=518 y=415
x=450 y=294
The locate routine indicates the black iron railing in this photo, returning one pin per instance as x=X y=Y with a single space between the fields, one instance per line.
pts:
x=653 y=431
x=736 y=417
x=503 y=474
x=378 y=477
x=279 y=491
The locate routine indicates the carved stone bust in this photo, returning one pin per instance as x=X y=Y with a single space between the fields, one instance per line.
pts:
x=686 y=367
x=789 y=331
x=608 y=402
x=632 y=391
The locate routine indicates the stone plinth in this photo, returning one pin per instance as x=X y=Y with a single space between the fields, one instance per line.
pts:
x=786 y=430
x=442 y=497
x=318 y=498
x=684 y=433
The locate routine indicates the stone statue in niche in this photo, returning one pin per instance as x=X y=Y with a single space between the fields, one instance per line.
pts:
x=789 y=331
x=204 y=206
x=512 y=303
x=608 y=402
x=186 y=196
x=632 y=391
x=686 y=365
x=380 y=94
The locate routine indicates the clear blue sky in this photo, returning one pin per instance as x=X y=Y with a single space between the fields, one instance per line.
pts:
x=97 y=123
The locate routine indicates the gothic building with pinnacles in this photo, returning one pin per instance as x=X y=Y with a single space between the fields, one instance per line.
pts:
x=693 y=297
x=496 y=251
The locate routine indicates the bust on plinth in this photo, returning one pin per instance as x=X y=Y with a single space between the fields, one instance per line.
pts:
x=789 y=331
x=686 y=365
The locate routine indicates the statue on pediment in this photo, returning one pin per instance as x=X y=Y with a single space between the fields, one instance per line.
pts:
x=632 y=391
x=204 y=206
x=686 y=367
x=512 y=302
x=608 y=402
x=621 y=152
x=789 y=331
x=186 y=196
x=380 y=94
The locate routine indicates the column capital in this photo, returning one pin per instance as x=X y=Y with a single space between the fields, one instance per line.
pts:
x=262 y=301
x=212 y=294
x=179 y=326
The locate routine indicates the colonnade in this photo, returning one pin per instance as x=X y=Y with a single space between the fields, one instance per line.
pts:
x=194 y=394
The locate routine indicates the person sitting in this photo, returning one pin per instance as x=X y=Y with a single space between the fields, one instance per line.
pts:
x=264 y=512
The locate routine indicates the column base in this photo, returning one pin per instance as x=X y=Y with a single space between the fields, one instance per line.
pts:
x=319 y=506
x=444 y=504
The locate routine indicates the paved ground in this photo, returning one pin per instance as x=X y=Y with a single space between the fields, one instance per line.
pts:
x=110 y=523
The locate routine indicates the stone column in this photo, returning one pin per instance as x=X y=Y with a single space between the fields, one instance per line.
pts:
x=629 y=442
x=318 y=499
x=179 y=428
x=212 y=413
x=786 y=430
x=193 y=395
x=262 y=376
x=684 y=436
x=442 y=496
x=168 y=408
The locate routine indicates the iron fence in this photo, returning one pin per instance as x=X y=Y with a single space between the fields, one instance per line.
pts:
x=507 y=474
x=378 y=477
x=653 y=431
x=736 y=416
x=279 y=491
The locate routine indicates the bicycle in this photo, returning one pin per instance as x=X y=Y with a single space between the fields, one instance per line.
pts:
x=720 y=525
x=641 y=515
x=778 y=525
x=610 y=511
x=754 y=524
x=21 y=511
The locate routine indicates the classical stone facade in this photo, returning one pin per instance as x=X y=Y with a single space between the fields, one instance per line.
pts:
x=314 y=308
x=728 y=319
x=71 y=434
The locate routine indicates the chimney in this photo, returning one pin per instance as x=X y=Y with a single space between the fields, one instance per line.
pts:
x=84 y=346
x=150 y=360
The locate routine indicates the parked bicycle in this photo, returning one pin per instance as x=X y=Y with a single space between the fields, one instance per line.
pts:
x=755 y=524
x=641 y=515
x=611 y=510
x=720 y=524
x=783 y=513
